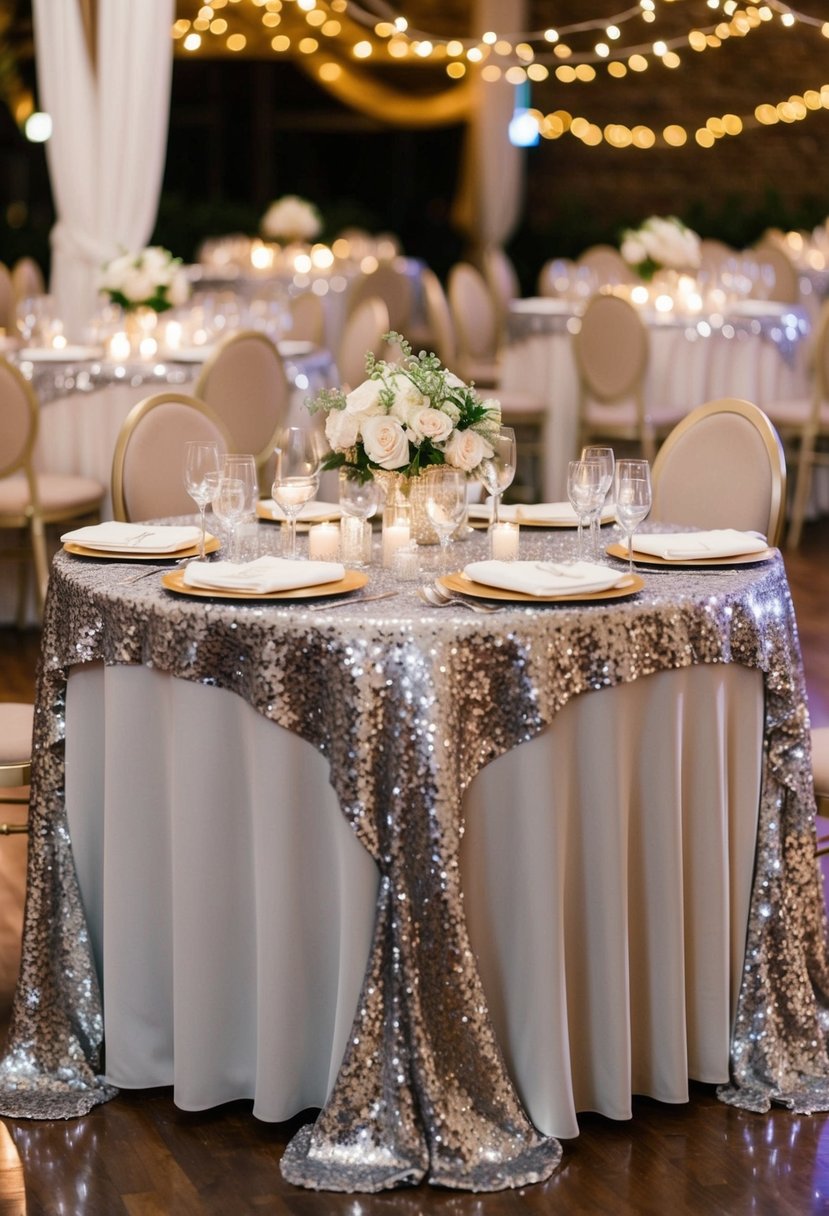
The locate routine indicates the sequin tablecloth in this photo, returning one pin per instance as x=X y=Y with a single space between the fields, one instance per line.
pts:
x=408 y=704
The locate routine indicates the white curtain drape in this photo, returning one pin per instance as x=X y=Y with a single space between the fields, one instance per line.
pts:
x=491 y=193
x=109 y=137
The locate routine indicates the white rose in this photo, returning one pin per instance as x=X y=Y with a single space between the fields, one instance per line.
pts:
x=115 y=271
x=466 y=449
x=342 y=430
x=365 y=398
x=385 y=441
x=633 y=249
x=430 y=424
x=137 y=285
x=408 y=398
x=453 y=381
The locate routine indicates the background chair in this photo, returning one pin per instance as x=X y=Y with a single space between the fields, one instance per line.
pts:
x=607 y=265
x=722 y=467
x=362 y=332
x=777 y=277
x=502 y=280
x=475 y=321
x=393 y=287
x=16 y=723
x=148 y=463
x=307 y=318
x=803 y=423
x=245 y=384
x=16 y=726
x=30 y=501
x=438 y=319
x=612 y=351
x=820 y=769
x=8 y=301
x=27 y=279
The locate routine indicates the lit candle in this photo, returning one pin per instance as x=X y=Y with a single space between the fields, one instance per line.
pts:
x=503 y=542
x=394 y=537
x=119 y=346
x=324 y=542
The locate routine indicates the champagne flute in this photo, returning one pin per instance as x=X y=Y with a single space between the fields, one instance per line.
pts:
x=229 y=507
x=497 y=471
x=585 y=490
x=296 y=476
x=607 y=460
x=200 y=459
x=633 y=498
x=445 y=506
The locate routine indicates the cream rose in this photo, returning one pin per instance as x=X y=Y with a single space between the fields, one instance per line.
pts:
x=408 y=398
x=342 y=430
x=466 y=449
x=430 y=424
x=385 y=441
x=365 y=398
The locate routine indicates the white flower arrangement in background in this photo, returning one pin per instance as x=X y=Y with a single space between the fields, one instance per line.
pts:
x=291 y=218
x=407 y=417
x=661 y=242
x=151 y=278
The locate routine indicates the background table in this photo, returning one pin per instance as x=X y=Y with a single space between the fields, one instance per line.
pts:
x=630 y=918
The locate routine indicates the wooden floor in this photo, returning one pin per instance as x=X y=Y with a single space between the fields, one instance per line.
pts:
x=140 y=1156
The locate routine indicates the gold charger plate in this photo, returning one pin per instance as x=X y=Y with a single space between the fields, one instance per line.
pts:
x=538 y=523
x=465 y=586
x=173 y=580
x=650 y=559
x=211 y=544
x=302 y=525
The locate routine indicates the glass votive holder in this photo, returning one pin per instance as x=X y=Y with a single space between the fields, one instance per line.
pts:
x=324 y=543
x=504 y=542
x=405 y=563
x=355 y=541
x=397 y=532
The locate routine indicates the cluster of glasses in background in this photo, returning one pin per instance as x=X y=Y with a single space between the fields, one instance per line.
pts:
x=589 y=481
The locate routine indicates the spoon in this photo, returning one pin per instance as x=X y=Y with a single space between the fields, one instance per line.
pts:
x=435 y=595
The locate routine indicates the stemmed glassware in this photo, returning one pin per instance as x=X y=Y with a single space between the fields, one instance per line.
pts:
x=200 y=459
x=633 y=498
x=229 y=501
x=607 y=460
x=243 y=467
x=296 y=476
x=586 y=491
x=497 y=471
x=445 y=506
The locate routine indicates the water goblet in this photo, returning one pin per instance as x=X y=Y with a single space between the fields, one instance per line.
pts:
x=606 y=458
x=296 y=476
x=445 y=506
x=497 y=471
x=633 y=498
x=586 y=492
x=229 y=507
x=200 y=459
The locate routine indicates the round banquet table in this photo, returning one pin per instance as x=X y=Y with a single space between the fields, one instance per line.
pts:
x=450 y=877
x=758 y=354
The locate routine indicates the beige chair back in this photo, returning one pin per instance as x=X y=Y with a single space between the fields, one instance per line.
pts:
x=713 y=254
x=607 y=265
x=8 y=302
x=503 y=283
x=473 y=313
x=307 y=319
x=148 y=464
x=27 y=279
x=393 y=287
x=785 y=286
x=722 y=467
x=362 y=332
x=611 y=349
x=555 y=277
x=19 y=416
x=438 y=318
x=245 y=384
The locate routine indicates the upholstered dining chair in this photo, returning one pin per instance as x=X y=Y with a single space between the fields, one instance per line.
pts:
x=245 y=384
x=775 y=265
x=722 y=466
x=438 y=318
x=27 y=279
x=148 y=463
x=612 y=351
x=307 y=318
x=803 y=423
x=393 y=287
x=475 y=319
x=820 y=771
x=16 y=725
x=502 y=280
x=8 y=302
x=362 y=332
x=607 y=265
x=30 y=501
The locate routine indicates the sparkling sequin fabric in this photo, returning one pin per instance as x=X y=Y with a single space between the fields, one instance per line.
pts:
x=408 y=703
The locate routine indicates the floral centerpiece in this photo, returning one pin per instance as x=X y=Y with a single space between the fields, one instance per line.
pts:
x=660 y=243
x=151 y=278
x=291 y=218
x=406 y=418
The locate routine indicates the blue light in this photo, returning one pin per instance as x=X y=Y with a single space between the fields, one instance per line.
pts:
x=523 y=129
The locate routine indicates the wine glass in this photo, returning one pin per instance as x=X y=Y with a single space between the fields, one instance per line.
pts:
x=243 y=466
x=445 y=506
x=200 y=459
x=229 y=506
x=497 y=471
x=359 y=500
x=296 y=476
x=586 y=492
x=633 y=498
x=607 y=460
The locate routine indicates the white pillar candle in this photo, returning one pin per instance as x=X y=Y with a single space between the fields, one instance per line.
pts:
x=355 y=541
x=394 y=537
x=324 y=542
x=503 y=542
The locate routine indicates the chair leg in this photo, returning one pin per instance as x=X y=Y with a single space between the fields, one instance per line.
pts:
x=38 y=535
x=803 y=486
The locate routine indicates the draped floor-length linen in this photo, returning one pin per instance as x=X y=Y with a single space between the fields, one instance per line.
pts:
x=107 y=149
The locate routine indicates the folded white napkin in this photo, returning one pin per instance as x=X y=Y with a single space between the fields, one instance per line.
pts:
x=311 y=512
x=263 y=575
x=685 y=546
x=545 y=578
x=143 y=538
x=560 y=513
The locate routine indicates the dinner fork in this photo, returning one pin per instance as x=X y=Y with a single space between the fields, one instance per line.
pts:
x=438 y=597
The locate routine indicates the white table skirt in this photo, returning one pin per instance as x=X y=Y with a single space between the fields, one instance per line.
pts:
x=607 y=867
x=683 y=373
